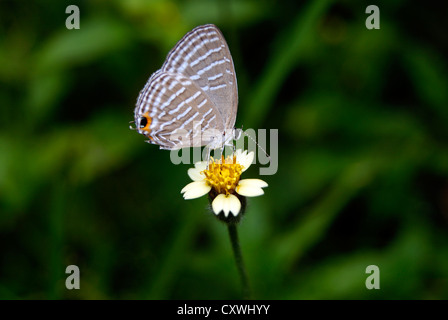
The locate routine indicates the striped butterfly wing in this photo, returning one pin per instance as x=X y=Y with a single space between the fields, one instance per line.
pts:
x=174 y=112
x=203 y=56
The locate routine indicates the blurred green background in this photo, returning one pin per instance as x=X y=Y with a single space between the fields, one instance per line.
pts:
x=363 y=153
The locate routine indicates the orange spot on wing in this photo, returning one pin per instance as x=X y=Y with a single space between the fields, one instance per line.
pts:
x=146 y=130
x=148 y=123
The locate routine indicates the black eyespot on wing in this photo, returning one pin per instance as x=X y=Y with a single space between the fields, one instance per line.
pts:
x=143 y=122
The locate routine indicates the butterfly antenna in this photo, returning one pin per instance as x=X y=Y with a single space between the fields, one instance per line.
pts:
x=264 y=151
x=130 y=126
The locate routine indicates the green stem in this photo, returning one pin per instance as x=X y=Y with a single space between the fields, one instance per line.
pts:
x=233 y=233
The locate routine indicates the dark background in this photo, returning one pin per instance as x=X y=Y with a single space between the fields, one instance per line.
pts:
x=363 y=154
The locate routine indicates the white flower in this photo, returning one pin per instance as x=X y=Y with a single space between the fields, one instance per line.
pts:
x=221 y=178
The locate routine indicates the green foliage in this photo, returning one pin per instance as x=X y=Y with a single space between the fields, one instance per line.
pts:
x=363 y=153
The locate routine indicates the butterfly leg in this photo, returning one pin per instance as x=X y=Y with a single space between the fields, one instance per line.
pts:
x=207 y=155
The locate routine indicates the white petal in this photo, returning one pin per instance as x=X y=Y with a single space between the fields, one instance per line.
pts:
x=239 y=152
x=234 y=204
x=245 y=159
x=195 y=189
x=218 y=203
x=195 y=174
x=227 y=204
x=251 y=187
x=201 y=165
x=254 y=182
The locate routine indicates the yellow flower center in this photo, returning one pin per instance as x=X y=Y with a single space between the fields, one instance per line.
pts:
x=223 y=175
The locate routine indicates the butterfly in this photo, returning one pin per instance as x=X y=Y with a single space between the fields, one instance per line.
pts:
x=192 y=100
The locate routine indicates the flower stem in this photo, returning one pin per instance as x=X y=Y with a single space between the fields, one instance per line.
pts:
x=233 y=233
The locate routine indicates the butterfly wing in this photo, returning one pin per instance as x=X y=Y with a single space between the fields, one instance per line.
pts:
x=174 y=112
x=204 y=57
